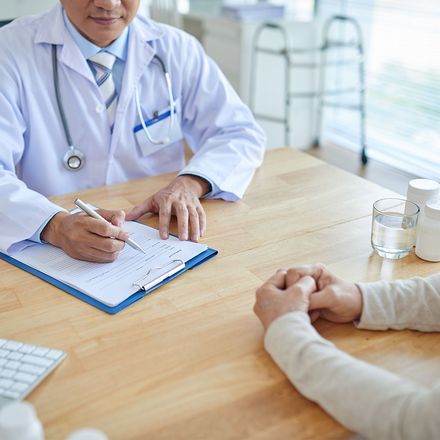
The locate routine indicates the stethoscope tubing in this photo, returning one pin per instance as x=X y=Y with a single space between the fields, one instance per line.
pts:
x=56 y=80
x=166 y=140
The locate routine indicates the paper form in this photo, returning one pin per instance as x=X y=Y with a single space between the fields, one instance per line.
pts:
x=112 y=283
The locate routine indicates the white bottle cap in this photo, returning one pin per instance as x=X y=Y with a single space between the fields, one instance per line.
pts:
x=19 y=420
x=87 y=434
x=422 y=189
x=432 y=209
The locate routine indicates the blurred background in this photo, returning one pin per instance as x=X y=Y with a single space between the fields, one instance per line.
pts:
x=335 y=78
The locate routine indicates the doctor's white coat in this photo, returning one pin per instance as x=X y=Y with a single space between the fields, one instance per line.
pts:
x=228 y=145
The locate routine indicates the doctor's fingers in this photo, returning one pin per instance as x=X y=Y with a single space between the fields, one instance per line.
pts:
x=165 y=206
x=98 y=235
x=90 y=253
x=116 y=218
x=182 y=215
x=194 y=223
x=191 y=219
x=104 y=230
x=82 y=244
x=139 y=210
x=202 y=218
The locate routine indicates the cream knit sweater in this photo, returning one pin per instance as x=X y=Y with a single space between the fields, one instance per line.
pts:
x=364 y=398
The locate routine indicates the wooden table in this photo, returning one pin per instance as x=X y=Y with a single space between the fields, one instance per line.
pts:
x=187 y=362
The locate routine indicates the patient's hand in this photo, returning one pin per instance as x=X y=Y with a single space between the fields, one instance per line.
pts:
x=336 y=300
x=274 y=298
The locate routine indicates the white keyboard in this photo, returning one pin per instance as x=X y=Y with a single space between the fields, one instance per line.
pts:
x=23 y=367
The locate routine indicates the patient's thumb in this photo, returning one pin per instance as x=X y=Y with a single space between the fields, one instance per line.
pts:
x=306 y=284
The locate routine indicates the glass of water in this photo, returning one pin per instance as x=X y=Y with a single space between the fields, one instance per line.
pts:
x=393 y=229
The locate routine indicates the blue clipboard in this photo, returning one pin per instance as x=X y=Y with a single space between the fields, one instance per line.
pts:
x=190 y=264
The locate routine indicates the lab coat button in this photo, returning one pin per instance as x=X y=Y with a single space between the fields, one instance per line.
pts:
x=100 y=108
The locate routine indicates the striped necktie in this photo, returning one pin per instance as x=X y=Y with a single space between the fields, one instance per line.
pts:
x=103 y=63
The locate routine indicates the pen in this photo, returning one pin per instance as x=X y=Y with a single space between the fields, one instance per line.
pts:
x=88 y=210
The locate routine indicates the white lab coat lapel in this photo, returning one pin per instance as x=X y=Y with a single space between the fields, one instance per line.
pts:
x=53 y=30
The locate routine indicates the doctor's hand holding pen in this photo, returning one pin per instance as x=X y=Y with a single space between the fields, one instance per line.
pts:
x=180 y=198
x=87 y=238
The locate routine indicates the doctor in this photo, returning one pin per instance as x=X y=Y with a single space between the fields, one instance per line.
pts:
x=92 y=94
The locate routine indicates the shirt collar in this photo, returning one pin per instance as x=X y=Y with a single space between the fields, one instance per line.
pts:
x=118 y=48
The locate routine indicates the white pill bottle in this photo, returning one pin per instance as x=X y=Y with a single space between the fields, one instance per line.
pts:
x=428 y=232
x=18 y=420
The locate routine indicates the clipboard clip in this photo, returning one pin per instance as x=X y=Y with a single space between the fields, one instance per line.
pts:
x=178 y=265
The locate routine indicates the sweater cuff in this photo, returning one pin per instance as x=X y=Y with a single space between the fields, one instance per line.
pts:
x=374 y=310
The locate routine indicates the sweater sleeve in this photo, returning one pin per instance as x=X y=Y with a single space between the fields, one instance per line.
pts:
x=364 y=398
x=403 y=304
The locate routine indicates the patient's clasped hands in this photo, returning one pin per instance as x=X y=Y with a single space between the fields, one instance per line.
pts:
x=311 y=289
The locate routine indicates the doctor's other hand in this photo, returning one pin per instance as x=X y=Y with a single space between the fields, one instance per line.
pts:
x=336 y=300
x=86 y=238
x=274 y=298
x=180 y=198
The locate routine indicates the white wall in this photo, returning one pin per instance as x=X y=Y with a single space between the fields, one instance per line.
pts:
x=16 y=8
x=143 y=8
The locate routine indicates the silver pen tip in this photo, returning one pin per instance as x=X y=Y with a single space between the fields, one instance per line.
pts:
x=134 y=245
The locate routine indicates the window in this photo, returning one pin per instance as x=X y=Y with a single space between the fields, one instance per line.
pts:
x=402 y=40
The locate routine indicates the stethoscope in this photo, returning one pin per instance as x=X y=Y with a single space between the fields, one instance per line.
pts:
x=74 y=159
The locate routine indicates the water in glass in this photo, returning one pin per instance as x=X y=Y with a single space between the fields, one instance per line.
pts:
x=393 y=234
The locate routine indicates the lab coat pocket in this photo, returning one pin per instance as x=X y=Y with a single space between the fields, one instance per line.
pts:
x=160 y=131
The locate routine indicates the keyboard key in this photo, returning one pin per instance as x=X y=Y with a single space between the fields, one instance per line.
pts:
x=42 y=362
x=54 y=354
x=12 y=345
x=27 y=348
x=3 y=362
x=13 y=365
x=6 y=383
x=15 y=356
x=2 y=342
x=40 y=351
x=28 y=368
x=19 y=386
x=11 y=394
x=6 y=373
x=4 y=353
x=25 y=377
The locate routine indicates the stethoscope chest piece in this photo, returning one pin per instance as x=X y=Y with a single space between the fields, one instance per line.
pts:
x=74 y=159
